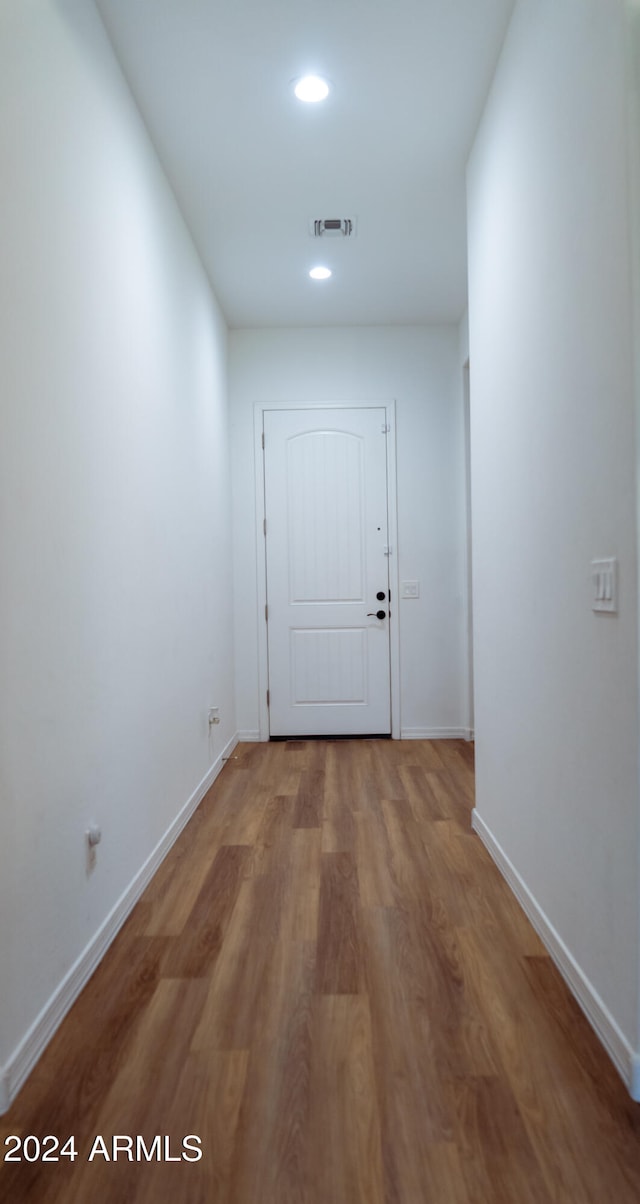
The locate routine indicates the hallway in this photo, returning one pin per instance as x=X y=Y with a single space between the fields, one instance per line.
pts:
x=330 y=984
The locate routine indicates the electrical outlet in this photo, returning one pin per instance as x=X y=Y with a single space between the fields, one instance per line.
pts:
x=604 y=576
x=214 y=715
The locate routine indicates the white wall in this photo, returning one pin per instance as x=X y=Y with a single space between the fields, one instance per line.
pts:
x=633 y=93
x=116 y=623
x=553 y=443
x=418 y=368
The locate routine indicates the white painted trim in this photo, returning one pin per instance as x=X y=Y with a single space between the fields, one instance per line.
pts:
x=259 y=407
x=468 y=566
x=624 y=1058
x=436 y=733
x=248 y=736
x=394 y=570
x=37 y=1038
x=261 y=572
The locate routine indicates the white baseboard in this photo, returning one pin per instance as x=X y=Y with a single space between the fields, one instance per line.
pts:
x=434 y=733
x=624 y=1058
x=406 y=733
x=33 y=1044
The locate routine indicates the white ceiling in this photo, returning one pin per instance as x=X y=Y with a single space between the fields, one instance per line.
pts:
x=251 y=165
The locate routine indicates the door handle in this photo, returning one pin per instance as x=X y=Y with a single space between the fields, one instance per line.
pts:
x=378 y=614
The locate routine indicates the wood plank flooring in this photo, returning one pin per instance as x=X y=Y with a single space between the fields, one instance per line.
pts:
x=330 y=984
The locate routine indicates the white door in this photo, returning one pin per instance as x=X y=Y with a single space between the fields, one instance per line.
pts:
x=327 y=571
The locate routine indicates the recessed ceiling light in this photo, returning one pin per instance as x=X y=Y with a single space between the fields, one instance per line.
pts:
x=311 y=88
x=320 y=273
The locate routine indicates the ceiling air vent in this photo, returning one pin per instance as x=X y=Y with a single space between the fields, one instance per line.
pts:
x=333 y=227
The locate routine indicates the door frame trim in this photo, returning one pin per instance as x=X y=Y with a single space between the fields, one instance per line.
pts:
x=259 y=409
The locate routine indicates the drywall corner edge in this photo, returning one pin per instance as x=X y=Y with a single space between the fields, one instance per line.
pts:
x=22 y=1061
x=634 y=1077
x=632 y=39
x=625 y=1059
x=5 y=1097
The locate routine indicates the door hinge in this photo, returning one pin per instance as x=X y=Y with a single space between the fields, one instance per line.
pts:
x=263 y=440
x=264 y=526
x=266 y=612
x=268 y=699
x=385 y=428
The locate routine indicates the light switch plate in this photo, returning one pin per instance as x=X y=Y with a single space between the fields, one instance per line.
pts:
x=410 y=589
x=604 y=576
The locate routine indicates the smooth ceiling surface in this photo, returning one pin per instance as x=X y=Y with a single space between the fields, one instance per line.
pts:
x=251 y=165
